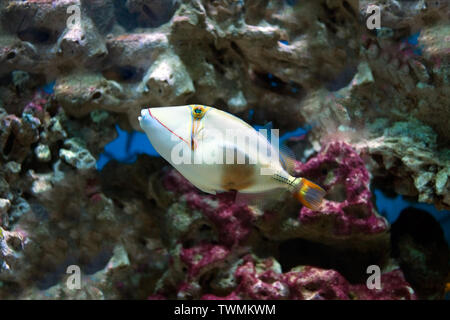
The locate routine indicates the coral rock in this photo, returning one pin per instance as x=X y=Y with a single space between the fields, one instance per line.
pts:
x=77 y=155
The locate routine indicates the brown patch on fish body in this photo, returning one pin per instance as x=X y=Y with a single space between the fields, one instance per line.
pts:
x=238 y=176
x=235 y=175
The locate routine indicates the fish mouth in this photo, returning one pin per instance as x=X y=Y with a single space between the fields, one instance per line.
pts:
x=149 y=113
x=146 y=113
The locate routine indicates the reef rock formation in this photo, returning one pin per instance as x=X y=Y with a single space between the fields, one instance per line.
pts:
x=295 y=62
x=376 y=101
x=263 y=280
x=209 y=233
x=424 y=256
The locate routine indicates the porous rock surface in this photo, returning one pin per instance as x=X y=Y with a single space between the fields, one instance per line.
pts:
x=377 y=104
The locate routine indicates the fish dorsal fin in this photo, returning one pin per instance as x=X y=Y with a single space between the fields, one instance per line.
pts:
x=287 y=158
x=286 y=155
x=268 y=126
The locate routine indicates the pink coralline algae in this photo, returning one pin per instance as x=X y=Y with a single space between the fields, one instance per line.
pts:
x=37 y=105
x=202 y=256
x=309 y=283
x=231 y=296
x=347 y=215
x=137 y=230
x=232 y=220
x=346 y=211
x=342 y=173
x=393 y=287
x=156 y=297
x=258 y=281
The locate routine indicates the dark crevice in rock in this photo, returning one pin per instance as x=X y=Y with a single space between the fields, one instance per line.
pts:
x=350 y=263
x=342 y=79
x=337 y=193
x=9 y=144
x=95 y=263
x=357 y=211
x=123 y=74
x=37 y=35
x=418 y=243
x=349 y=8
x=270 y=82
x=125 y=18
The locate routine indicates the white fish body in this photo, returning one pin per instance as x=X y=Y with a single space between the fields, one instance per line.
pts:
x=201 y=144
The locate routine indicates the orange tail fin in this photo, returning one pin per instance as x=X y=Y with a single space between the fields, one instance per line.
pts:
x=310 y=194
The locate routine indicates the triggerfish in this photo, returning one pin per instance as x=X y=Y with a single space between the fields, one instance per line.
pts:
x=218 y=152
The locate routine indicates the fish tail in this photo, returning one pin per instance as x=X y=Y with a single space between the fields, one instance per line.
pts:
x=309 y=193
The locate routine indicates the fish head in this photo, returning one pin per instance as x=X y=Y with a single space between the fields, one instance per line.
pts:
x=167 y=127
x=171 y=122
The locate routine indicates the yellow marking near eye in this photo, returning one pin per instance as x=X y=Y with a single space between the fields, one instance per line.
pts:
x=193 y=143
x=198 y=112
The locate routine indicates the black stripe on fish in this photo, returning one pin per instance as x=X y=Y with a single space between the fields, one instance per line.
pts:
x=285 y=180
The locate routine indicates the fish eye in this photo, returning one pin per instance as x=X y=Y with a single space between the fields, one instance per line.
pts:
x=198 y=112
